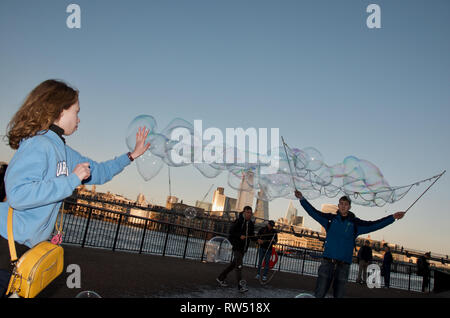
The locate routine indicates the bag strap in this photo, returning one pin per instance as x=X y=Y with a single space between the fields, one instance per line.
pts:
x=12 y=246
x=59 y=228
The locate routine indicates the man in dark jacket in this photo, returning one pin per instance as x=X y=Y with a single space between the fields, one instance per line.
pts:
x=364 y=258
x=342 y=230
x=267 y=237
x=241 y=232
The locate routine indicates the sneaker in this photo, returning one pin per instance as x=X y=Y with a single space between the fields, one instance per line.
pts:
x=243 y=289
x=257 y=276
x=264 y=278
x=222 y=283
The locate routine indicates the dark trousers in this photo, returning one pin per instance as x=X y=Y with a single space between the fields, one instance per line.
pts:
x=425 y=281
x=332 y=272
x=236 y=263
x=5 y=263
x=387 y=275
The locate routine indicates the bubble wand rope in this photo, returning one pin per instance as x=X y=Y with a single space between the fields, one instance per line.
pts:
x=382 y=191
x=289 y=163
x=273 y=272
x=425 y=190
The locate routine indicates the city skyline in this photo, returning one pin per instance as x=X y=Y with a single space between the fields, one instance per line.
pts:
x=313 y=69
x=288 y=237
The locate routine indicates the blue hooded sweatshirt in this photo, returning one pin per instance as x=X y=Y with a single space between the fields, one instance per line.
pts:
x=342 y=232
x=39 y=177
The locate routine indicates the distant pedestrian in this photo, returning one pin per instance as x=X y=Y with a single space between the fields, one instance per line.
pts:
x=386 y=267
x=364 y=259
x=342 y=230
x=241 y=232
x=423 y=269
x=267 y=237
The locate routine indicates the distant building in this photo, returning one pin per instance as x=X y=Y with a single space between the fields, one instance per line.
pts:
x=141 y=200
x=283 y=224
x=292 y=217
x=292 y=240
x=262 y=207
x=203 y=205
x=246 y=192
x=218 y=202
x=296 y=220
x=170 y=201
x=291 y=212
x=181 y=207
x=230 y=204
x=221 y=203
x=101 y=200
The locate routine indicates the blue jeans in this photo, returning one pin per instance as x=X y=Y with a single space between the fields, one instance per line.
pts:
x=261 y=253
x=332 y=272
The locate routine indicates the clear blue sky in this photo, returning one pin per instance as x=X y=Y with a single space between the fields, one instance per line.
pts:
x=310 y=68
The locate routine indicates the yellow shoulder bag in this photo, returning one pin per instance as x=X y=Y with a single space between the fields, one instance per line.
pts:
x=37 y=267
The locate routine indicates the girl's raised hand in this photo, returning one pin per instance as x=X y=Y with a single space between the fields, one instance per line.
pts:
x=141 y=146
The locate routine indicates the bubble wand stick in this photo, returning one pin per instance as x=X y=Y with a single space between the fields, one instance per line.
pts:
x=289 y=163
x=425 y=190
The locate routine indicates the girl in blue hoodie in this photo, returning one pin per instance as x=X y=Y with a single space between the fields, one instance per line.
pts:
x=44 y=170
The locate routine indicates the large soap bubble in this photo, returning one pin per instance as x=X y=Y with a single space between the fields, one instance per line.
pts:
x=304 y=295
x=218 y=250
x=302 y=169
x=190 y=212
x=88 y=294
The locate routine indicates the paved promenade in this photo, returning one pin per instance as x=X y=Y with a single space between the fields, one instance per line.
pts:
x=130 y=275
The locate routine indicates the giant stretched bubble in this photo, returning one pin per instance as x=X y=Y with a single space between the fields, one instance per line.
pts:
x=179 y=144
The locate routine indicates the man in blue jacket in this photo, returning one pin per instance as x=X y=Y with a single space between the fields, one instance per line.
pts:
x=342 y=230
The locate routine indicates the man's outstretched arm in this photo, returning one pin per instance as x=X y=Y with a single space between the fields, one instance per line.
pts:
x=320 y=217
x=364 y=227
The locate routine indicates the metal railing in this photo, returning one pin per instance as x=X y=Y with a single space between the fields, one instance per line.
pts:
x=86 y=225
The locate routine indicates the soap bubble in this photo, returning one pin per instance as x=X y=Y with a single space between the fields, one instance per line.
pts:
x=190 y=212
x=304 y=295
x=149 y=165
x=88 y=294
x=218 y=250
x=314 y=160
x=140 y=121
x=178 y=145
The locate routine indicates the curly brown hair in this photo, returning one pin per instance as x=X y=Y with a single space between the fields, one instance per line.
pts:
x=42 y=107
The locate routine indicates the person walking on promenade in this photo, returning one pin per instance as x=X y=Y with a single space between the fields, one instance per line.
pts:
x=342 y=230
x=386 y=267
x=44 y=170
x=364 y=259
x=267 y=237
x=423 y=269
x=241 y=232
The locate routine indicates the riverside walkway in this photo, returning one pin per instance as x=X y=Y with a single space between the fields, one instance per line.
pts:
x=118 y=274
